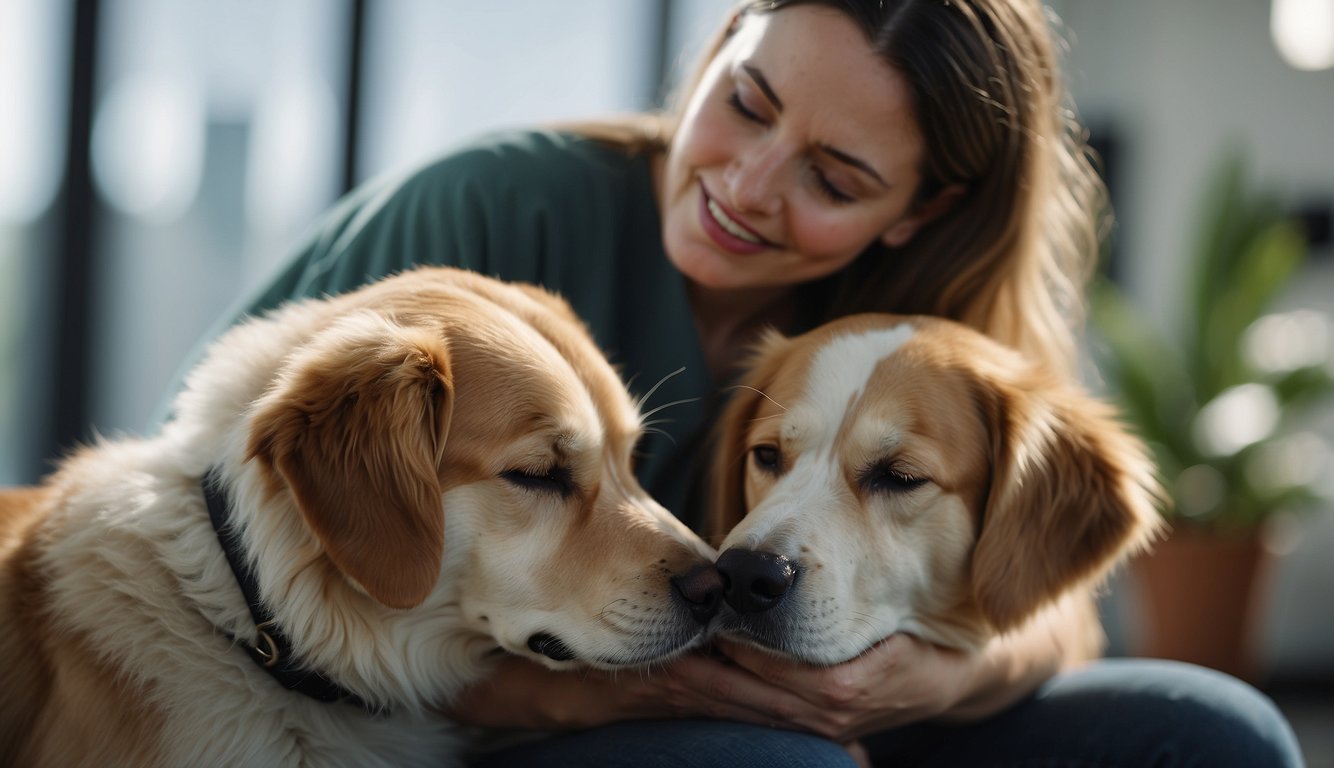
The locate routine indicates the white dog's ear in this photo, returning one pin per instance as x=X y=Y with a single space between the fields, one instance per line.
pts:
x=355 y=428
x=1071 y=493
x=728 y=471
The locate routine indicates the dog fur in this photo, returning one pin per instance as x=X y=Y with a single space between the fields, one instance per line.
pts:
x=914 y=476
x=423 y=473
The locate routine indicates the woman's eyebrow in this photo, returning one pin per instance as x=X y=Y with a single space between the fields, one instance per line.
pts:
x=762 y=83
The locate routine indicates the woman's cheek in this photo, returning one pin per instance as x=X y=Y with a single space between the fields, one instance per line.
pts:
x=830 y=240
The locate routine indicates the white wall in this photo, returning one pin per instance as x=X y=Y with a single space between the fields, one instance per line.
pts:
x=439 y=72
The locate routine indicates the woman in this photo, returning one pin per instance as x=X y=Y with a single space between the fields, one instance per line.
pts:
x=829 y=157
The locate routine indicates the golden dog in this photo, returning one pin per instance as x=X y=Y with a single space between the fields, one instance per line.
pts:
x=359 y=501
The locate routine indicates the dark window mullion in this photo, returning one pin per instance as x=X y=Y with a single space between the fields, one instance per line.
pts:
x=75 y=269
x=356 y=47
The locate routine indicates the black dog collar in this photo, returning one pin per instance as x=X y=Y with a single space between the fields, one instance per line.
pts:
x=270 y=649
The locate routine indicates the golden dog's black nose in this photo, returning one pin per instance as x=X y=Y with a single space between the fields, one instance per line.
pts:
x=702 y=591
x=755 y=581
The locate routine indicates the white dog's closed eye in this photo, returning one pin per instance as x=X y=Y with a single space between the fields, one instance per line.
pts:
x=886 y=474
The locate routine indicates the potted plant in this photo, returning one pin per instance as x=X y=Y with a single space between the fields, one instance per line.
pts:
x=1220 y=402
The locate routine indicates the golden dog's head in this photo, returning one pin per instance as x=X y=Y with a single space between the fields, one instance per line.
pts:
x=447 y=459
x=886 y=474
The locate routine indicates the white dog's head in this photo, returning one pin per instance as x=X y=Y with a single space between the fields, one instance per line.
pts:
x=440 y=469
x=886 y=474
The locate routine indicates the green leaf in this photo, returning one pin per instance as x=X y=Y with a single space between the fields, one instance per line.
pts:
x=1146 y=372
x=1262 y=268
x=1219 y=229
x=1303 y=386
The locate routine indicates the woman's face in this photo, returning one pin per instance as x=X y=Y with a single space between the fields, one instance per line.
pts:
x=797 y=150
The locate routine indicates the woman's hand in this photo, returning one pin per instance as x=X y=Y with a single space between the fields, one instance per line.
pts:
x=521 y=694
x=903 y=679
x=899 y=680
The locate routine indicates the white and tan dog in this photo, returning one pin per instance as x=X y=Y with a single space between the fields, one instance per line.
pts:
x=887 y=474
x=406 y=480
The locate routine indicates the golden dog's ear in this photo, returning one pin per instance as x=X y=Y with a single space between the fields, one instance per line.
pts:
x=356 y=428
x=1071 y=493
x=728 y=472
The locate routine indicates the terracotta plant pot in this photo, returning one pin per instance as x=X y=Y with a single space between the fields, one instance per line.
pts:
x=1198 y=591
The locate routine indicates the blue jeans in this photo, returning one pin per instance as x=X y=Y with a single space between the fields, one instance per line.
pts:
x=1116 y=712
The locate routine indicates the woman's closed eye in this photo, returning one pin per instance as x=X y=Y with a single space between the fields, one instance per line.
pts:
x=828 y=189
x=738 y=106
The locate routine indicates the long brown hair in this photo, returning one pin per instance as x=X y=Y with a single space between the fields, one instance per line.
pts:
x=1013 y=254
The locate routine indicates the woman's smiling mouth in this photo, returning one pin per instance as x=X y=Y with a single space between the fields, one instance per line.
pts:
x=726 y=232
x=726 y=223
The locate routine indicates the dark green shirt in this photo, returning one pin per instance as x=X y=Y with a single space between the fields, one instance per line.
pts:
x=552 y=209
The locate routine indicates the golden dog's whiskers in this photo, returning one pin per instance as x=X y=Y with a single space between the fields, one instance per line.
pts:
x=668 y=405
x=650 y=428
x=605 y=611
x=641 y=401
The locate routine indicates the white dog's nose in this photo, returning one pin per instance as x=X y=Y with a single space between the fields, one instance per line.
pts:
x=755 y=581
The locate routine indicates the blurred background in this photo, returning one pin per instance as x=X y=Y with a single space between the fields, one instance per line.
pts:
x=159 y=158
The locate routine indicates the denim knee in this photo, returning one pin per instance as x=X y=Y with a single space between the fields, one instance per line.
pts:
x=676 y=744
x=1184 y=715
x=1116 y=712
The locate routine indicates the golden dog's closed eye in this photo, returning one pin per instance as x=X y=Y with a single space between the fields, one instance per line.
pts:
x=557 y=480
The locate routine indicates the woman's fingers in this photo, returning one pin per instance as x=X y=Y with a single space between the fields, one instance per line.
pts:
x=898 y=680
x=837 y=685
x=769 y=690
x=723 y=690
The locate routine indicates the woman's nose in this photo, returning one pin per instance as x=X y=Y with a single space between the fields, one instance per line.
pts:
x=754 y=180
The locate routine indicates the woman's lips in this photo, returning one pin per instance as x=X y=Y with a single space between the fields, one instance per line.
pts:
x=728 y=233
